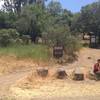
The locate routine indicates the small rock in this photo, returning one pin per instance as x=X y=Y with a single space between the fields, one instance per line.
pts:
x=89 y=57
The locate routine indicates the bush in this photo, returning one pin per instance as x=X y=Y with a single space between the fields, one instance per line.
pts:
x=36 y=52
x=56 y=34
x=4 y=40
x=61 y=35
x=8 y=36
x=72 y=45
x=26 y=39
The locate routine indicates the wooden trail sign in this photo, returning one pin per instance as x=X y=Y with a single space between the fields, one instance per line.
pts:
x=58 y=51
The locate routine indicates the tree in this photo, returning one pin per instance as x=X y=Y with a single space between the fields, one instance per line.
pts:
x=54 y=8
x=2 y=20
x=75 y=23
x=89 y=19
x=61 y=35
x=31 y=21
x=8 y=36
x=7 y=19
x=66 y=17
x=13 y=5
x=16 y=5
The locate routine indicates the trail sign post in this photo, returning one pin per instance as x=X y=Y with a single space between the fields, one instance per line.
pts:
x=58 y=51
x=93 y=40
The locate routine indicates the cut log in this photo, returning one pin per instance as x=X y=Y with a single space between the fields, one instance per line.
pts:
x=97 y=75
x=91 y=75
x=43 y=72
x=61 y=73
x=78 y=75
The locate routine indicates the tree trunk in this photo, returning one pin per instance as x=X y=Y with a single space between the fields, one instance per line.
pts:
x=78 y=75
x=42 y=72
x=83 y=36
x=61 y=73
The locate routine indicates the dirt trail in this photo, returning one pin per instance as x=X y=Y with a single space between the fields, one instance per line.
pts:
x=9 y=79
x=87 y=58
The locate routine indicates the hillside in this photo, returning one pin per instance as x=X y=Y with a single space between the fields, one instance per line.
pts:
x=50 y=88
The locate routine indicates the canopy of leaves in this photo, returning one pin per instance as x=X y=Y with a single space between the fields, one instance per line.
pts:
x=51 y=22
x=54 y=8
x=31 y=21
x=8 y=36
x=16 y=5
x=89 y=19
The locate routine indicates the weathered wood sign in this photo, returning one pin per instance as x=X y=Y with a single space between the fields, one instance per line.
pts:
x=58 y=51
x=94 y=40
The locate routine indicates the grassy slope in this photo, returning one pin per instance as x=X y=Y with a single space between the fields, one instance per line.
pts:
x=38 y=52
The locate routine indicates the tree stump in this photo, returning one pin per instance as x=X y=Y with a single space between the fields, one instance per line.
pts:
x=61 y=73
x=91 y=75
x=78 y=75
x=43 y=72
x=97 y=76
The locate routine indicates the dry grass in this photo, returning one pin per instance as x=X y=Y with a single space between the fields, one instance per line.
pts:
x=34 y=86
x=9 y=64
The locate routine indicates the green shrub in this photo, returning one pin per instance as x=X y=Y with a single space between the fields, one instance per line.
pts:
x=4 y=40
x=36 y=52
x=62 y=36
x=72 y=45
x=26 y=39
x=8 y=36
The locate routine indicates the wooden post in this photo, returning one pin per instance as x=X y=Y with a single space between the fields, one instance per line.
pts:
x=58 y=51
x=93 y=40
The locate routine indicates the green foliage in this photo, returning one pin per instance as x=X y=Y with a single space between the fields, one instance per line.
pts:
x=36 y=52
x=4 y=40
x=8 y=36
x=89 y=19
x=72 y=45
x=31 y=21
x=34 y=20
x=75 y=25
x=62 y=36
x=7 y=19
x=66 y=18
x=56 y=34
x=54 y=7
x=16 y=6
x=26 y=39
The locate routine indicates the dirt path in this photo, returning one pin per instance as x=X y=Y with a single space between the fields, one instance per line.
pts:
x=87 y=58
x=71 y=98
x=9 y=79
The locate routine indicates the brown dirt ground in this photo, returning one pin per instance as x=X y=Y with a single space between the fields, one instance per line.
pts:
x=50 y=88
